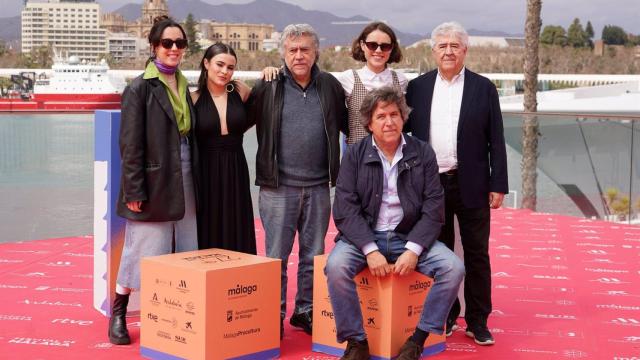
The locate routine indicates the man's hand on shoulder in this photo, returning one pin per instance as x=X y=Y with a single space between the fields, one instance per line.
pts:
x=378 y=264
x=406 y=263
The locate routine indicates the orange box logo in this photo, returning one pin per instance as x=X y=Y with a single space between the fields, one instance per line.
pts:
x=210 y=304
x=391 y=308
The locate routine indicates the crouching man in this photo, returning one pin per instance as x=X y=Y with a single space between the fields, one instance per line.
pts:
x=389 y=208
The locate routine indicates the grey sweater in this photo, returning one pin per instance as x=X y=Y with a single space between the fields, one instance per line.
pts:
x=303 y=140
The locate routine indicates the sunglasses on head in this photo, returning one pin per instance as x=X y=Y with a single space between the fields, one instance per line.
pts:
x=168 y=43
x=374 y=45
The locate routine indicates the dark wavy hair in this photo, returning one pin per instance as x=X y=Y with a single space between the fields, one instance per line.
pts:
x=213 y=50
x=387 y=95
x=356 y=50
x=155 y=34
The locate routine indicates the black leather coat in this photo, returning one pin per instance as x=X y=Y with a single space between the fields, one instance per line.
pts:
x=265 y=110
x=150 y=152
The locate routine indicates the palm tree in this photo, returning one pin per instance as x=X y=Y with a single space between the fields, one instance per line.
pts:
x=530 y=131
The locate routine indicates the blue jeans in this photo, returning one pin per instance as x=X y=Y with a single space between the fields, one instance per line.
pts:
x=346 y=261
x=283 y=211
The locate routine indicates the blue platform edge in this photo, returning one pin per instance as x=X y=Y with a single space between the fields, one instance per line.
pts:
x=159 y=355
x=106 y=131
x=331 y=350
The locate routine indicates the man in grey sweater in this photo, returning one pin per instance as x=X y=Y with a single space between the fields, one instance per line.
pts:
x=298 y=117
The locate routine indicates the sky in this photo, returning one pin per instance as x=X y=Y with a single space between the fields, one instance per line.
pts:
x=420 y=16
x=500 y=15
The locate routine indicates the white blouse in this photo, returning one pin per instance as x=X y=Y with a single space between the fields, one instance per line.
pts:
x=370 y=80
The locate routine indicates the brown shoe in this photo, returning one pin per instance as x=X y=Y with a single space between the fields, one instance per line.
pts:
x=410 y=351
x=356 y=350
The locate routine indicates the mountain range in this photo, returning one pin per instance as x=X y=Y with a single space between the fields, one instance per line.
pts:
x=332 y=29
x=10 y=30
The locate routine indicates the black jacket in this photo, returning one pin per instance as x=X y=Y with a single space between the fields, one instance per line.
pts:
x=265 y=110
x=482 y=155
x=150 y=153
x=356 y=205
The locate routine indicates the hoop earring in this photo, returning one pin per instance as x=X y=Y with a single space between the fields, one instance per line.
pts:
x=229 y=87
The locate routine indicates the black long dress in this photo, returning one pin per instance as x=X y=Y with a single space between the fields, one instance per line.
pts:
x=225 y=217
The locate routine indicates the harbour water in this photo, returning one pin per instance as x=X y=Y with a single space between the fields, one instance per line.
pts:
x=46 y=175
x=46 y=178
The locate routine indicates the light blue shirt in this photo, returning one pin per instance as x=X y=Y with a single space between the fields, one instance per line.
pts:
x=391 y=213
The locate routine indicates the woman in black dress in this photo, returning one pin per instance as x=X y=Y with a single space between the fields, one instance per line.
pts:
x=225 y=213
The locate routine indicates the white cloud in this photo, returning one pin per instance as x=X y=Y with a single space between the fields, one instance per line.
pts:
x=420 y=16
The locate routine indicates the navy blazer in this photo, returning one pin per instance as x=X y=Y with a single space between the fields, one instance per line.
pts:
x=482 y=155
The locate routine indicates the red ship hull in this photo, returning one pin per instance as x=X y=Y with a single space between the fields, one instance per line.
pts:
x=62 y=103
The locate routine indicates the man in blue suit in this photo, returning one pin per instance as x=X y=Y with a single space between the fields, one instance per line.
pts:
x=457 y=111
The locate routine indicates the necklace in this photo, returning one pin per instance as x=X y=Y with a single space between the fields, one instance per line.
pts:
x=217 y=96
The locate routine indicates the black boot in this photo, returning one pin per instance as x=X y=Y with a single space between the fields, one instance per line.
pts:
x=118 y=333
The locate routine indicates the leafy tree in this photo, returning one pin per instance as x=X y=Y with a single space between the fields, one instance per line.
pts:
x=108 y=57
x=621 y=206
x=589 y=30
x=576 y=36
x=3 y=47
x=590 y=33
x=553 y=35
x=614 y=35
x=617 y=203
x=5 y=84
x=190 y=28
x=38 y=58
x=611 y=195
x=634 y=40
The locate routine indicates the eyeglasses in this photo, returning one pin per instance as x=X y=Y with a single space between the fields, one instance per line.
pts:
x=168 y=43
x=373 y=46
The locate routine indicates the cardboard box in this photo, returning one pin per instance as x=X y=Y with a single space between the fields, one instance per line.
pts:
x=210 y=304
x=391 y=308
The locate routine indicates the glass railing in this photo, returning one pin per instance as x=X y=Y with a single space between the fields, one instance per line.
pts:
x=588 y=164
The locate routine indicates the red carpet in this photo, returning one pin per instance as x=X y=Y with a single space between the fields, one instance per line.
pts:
x=564 y=288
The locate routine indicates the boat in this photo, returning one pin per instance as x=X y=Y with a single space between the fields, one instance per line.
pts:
x=73 y=85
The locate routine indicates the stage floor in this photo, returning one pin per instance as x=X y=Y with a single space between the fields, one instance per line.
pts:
x=563 y=288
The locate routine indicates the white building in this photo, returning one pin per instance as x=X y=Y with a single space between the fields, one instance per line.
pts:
x=237 y=35
x=621 y=97
x=488 y=41
x=126 y=46
x=272 y=43
x=71 y=27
